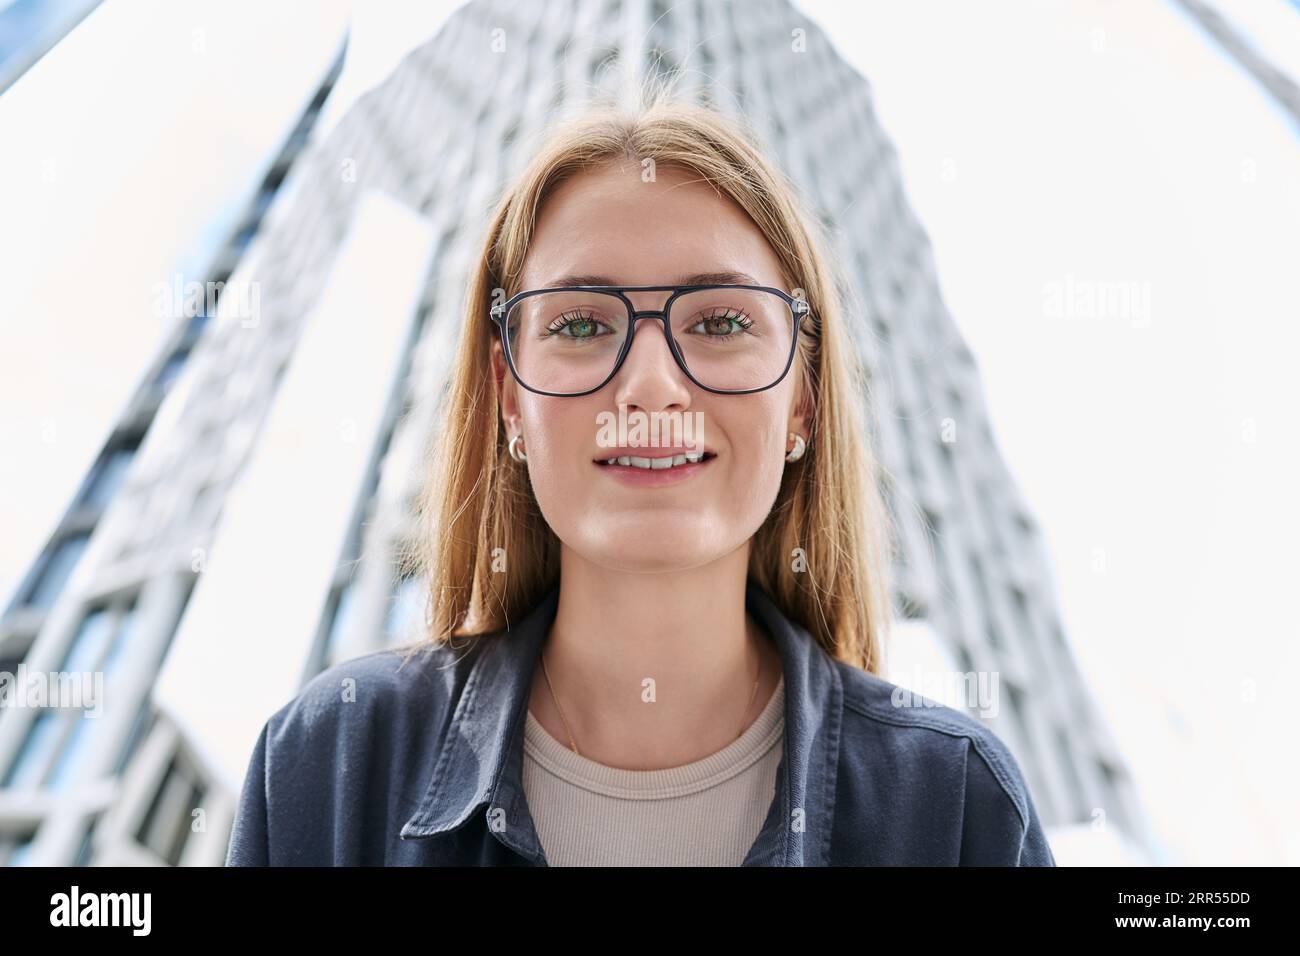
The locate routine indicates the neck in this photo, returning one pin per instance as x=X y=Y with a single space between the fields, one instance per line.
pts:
x=653 y=670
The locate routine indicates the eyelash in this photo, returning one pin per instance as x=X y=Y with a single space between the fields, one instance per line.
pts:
x=744 y=322
x=564 y=321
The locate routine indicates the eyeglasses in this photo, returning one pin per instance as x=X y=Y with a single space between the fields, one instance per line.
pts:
x=729 y=339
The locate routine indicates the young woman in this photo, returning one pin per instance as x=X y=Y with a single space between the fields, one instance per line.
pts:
x=657 y=560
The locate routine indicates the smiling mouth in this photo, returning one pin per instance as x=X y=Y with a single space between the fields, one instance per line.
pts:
x=662 y=463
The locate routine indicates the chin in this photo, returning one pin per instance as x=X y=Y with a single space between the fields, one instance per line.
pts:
x=650 y=543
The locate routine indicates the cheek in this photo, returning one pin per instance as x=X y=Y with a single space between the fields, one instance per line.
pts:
x=756 y=441
x=558 y=435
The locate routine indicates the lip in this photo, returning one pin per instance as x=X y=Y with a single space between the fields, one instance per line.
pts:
x=652 y=477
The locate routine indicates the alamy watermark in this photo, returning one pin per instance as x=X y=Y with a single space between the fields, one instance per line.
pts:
x=975 y=690
x=181 y=299
x=1076 y=298
x=80 y=690
x=75 y=908
x=650 y=429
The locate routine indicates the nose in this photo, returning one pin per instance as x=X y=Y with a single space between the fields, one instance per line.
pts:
x=650 y=377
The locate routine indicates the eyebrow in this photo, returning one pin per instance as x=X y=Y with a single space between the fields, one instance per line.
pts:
x=699 y=278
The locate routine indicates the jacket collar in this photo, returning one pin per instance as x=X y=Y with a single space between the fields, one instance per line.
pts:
x=481 y=758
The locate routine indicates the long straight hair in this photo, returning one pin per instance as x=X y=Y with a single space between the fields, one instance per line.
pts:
x=824 y=552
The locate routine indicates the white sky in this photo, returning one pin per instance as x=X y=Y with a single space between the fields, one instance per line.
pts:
x=1077 y=141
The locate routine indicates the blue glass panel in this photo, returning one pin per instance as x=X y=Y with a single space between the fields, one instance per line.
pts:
x=125 y=642
x=28 y=769
x=56 y=571
x=108 y=478
x=92 y=638
x=85 y=730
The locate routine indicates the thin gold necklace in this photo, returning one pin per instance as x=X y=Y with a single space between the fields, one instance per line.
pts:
x=573 y=745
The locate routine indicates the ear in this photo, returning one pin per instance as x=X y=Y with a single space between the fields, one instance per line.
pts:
x=506 y=389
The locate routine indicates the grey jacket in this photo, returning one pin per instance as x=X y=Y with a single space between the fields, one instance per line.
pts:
x=379 y=762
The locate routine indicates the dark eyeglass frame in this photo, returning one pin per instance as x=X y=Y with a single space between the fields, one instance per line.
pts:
x=798 y=310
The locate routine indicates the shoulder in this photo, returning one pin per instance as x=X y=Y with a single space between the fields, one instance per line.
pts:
x=342 y=750
x=956 y=760
x=390 y=686
x=917 y=729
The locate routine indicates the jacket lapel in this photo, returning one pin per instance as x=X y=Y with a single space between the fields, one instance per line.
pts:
x=484 y=734
x=798 y=825
x=481 y=759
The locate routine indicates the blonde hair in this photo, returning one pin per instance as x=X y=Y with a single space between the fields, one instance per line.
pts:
x=829 y=504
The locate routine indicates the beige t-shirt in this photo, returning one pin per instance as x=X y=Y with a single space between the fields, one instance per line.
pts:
x=706 y=813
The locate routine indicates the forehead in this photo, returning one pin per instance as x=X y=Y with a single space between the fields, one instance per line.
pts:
x=609 y=221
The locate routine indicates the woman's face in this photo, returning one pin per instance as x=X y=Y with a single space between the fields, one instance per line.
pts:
x=608 y=222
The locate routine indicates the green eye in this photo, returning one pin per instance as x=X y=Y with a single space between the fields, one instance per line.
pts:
x=725 y=325
x=574 y=326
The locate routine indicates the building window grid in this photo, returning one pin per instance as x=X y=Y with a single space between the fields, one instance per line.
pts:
x=57 y=734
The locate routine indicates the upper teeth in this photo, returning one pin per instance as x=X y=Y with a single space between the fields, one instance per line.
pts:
x=656 y=463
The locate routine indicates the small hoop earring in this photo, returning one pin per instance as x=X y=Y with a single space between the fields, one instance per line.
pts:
x=517 y=452
x=799 y=445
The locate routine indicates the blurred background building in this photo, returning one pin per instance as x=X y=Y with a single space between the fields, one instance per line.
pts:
x=238 y=528
x=29 y=28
